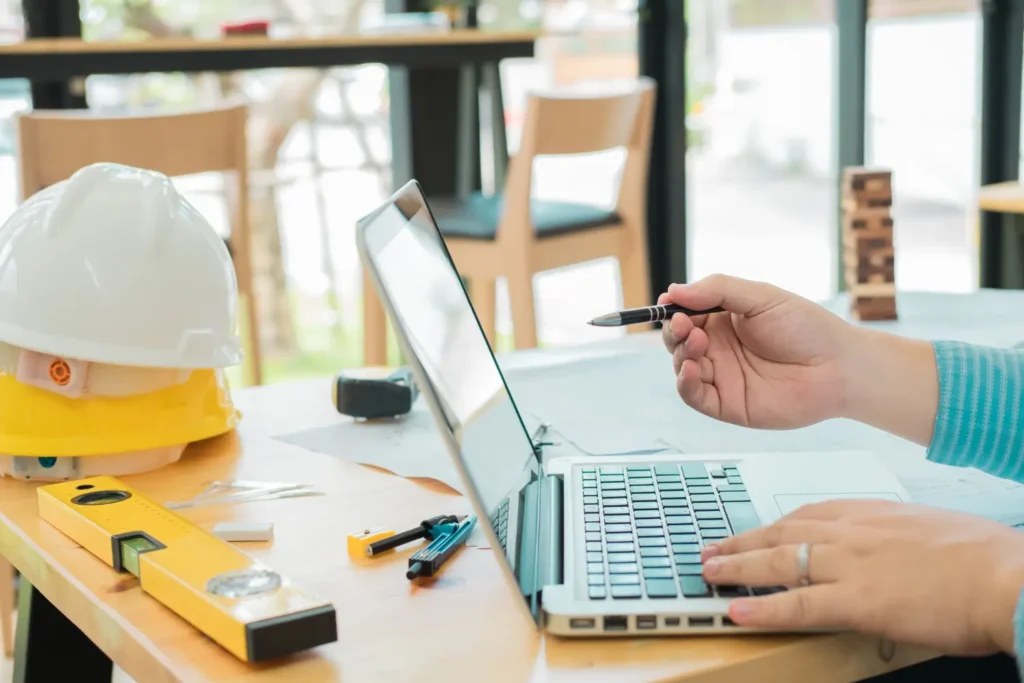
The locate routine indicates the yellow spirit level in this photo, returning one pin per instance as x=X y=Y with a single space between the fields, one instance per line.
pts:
x=246 y=607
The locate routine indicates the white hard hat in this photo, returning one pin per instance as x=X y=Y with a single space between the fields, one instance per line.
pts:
x=113 y=266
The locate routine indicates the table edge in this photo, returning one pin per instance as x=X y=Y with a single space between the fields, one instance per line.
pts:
x=49 y=46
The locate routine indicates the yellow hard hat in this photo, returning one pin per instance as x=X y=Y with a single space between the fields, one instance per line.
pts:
x=37 y=422
x=118 y=306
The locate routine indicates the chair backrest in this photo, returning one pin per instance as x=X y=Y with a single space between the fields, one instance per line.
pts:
x=52 y=145
x=583 y=120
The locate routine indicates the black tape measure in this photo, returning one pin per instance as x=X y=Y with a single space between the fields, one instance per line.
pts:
x=375 y=393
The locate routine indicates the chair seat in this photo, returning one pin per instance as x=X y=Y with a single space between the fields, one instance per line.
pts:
x=478 y=216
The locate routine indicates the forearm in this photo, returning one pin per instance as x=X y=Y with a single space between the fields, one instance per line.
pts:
x=892 y=383
x=962 y=401
x=980 y=400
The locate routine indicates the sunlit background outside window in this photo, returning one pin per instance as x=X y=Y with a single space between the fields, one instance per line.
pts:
x=761 y=141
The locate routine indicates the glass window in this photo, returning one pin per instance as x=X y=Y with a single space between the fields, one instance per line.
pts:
x=592 y=43
x=760 y=183
x=14 y=97
x=923 y=123
x=319 y=150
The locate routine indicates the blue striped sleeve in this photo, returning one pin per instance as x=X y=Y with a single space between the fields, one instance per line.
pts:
x=980 y=394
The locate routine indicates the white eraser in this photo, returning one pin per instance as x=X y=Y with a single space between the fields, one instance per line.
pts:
x=244 y=531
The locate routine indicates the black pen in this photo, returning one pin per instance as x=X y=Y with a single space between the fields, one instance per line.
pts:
x=648 y=314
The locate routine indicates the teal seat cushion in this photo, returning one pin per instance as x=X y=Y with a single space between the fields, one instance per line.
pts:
x=478 y=216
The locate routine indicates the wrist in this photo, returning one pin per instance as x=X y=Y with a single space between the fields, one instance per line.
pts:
x=890 y=383
x=1005 y=613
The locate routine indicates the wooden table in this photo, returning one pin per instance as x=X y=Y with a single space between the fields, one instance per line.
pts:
x=1001 y=261
x=1002 y=197
x=464 y=627
x=60 y=58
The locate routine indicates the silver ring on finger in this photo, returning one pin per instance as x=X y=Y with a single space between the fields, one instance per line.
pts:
x=803 y=563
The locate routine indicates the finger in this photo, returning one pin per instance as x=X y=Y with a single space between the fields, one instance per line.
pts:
x=668 y=339
x=696 y=343
x=668 y=336
x=694 y=348
x=828 y=605
x=778 y=566
x=698 y=394
x=734 y=294
x=707 y=368
x=682 y=325
x=783 y=532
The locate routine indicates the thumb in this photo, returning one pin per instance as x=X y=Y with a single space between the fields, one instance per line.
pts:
x=734 y=294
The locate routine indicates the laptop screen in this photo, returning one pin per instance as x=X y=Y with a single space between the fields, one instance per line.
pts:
x=432 y=314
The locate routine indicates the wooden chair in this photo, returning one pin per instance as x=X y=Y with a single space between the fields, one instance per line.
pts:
x=514 y=236
x=52 y=145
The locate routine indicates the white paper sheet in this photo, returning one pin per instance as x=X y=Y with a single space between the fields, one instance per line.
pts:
x=409 y=447
x=962 y=489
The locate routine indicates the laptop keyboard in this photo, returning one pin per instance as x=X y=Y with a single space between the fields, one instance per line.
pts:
x=644 y=528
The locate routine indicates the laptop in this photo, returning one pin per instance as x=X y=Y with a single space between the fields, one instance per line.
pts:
x=593 y=546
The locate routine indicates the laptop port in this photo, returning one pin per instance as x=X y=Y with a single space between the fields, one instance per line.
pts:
x=647 y=621
x=701 y=622
x=582 y=622
x=615 y=623
x=726 y=621
x=671 y=621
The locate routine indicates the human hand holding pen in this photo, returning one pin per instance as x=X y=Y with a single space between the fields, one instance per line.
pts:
x=772 y=360
x=775 y=360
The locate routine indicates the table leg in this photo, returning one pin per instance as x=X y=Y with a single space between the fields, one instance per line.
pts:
x=7 y=606
x=491 y=73
x=467 y=164
x=375 y=326
x=47 y=644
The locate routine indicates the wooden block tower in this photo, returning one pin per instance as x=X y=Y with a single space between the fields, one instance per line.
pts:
x=868 y=254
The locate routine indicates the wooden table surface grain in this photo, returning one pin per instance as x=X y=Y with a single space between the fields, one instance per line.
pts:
x=463 y=627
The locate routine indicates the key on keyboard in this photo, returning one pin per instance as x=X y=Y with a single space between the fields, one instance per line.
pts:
x=654 y=524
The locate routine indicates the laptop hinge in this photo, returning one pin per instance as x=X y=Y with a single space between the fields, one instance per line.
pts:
x=550 y=561
x=541 y=558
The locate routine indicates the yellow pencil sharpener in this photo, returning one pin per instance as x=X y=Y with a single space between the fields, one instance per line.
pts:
x=360 y=542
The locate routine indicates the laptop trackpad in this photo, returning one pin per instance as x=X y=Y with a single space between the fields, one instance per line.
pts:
x=788 y=502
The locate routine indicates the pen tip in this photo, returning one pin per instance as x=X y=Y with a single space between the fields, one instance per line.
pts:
x=609 y=320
